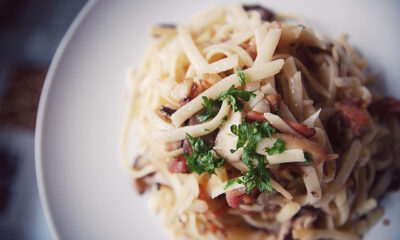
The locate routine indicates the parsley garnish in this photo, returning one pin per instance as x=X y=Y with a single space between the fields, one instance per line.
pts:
x=243 y=131
x=308 y=158
x=242 y=77
x=202 y=159
x=231 y=182
x=208 y=104
x=233 y=95
x=224 y=119
x=277 y=148
x=276 y=111
x=257 y=176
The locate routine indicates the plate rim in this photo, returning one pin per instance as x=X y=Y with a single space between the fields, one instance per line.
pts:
x=65 y=41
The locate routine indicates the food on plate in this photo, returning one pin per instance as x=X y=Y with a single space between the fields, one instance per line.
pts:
x=250 y=127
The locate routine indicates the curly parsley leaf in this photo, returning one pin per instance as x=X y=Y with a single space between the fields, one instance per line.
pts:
x=242 y=77
x=277 y=111
x=277 y=148
x=209 y=104
x=256 y=176
x=197 y=144
x=202 y=159
x=243 y=132
x=267 y=129
x=308 y=158
x=233 y=95
x=236 y=104
x=249 y=156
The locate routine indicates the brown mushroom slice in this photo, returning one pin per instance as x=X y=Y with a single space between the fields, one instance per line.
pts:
x=318 y=153
x=226 y=140
x=274 y=101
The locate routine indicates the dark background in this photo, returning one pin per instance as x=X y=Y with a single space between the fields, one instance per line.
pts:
x=30 y=31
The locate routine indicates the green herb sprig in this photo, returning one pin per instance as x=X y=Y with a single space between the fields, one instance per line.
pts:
x=202 y=159
x=277 y=148
x=308 y=158
x=209 y=104
x=242 y=77
x=233 y=95
x=256 y=176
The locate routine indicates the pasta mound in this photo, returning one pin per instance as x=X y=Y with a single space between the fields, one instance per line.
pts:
x=254 y=128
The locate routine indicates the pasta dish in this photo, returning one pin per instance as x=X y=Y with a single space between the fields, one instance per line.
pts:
x=251 y=126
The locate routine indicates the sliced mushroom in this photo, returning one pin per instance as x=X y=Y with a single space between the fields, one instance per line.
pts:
x=274 y=101
x=262 y=106
x=255 y=116
x=226 y=140
x=318 y=153
x=265 y=14
x=143 y=183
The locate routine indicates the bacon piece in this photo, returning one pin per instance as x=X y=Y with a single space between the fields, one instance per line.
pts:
x=354 y=113
x=250 y=48
x=350 y=114
x=274 y=101
x=237 y=197
x=194 y=92
x=385 y=107
x=209 y=79
x=178 y=165
x=300 y=128
x=203 y=195
x=187 y=147
x=253 y=116
x=233 y=197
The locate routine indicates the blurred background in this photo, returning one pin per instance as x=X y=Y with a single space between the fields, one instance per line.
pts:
x=30 y=31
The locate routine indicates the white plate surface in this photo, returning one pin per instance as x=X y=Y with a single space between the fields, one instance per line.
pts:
x=85 y=192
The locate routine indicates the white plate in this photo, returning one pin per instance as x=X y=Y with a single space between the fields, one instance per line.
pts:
x=85 y=192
